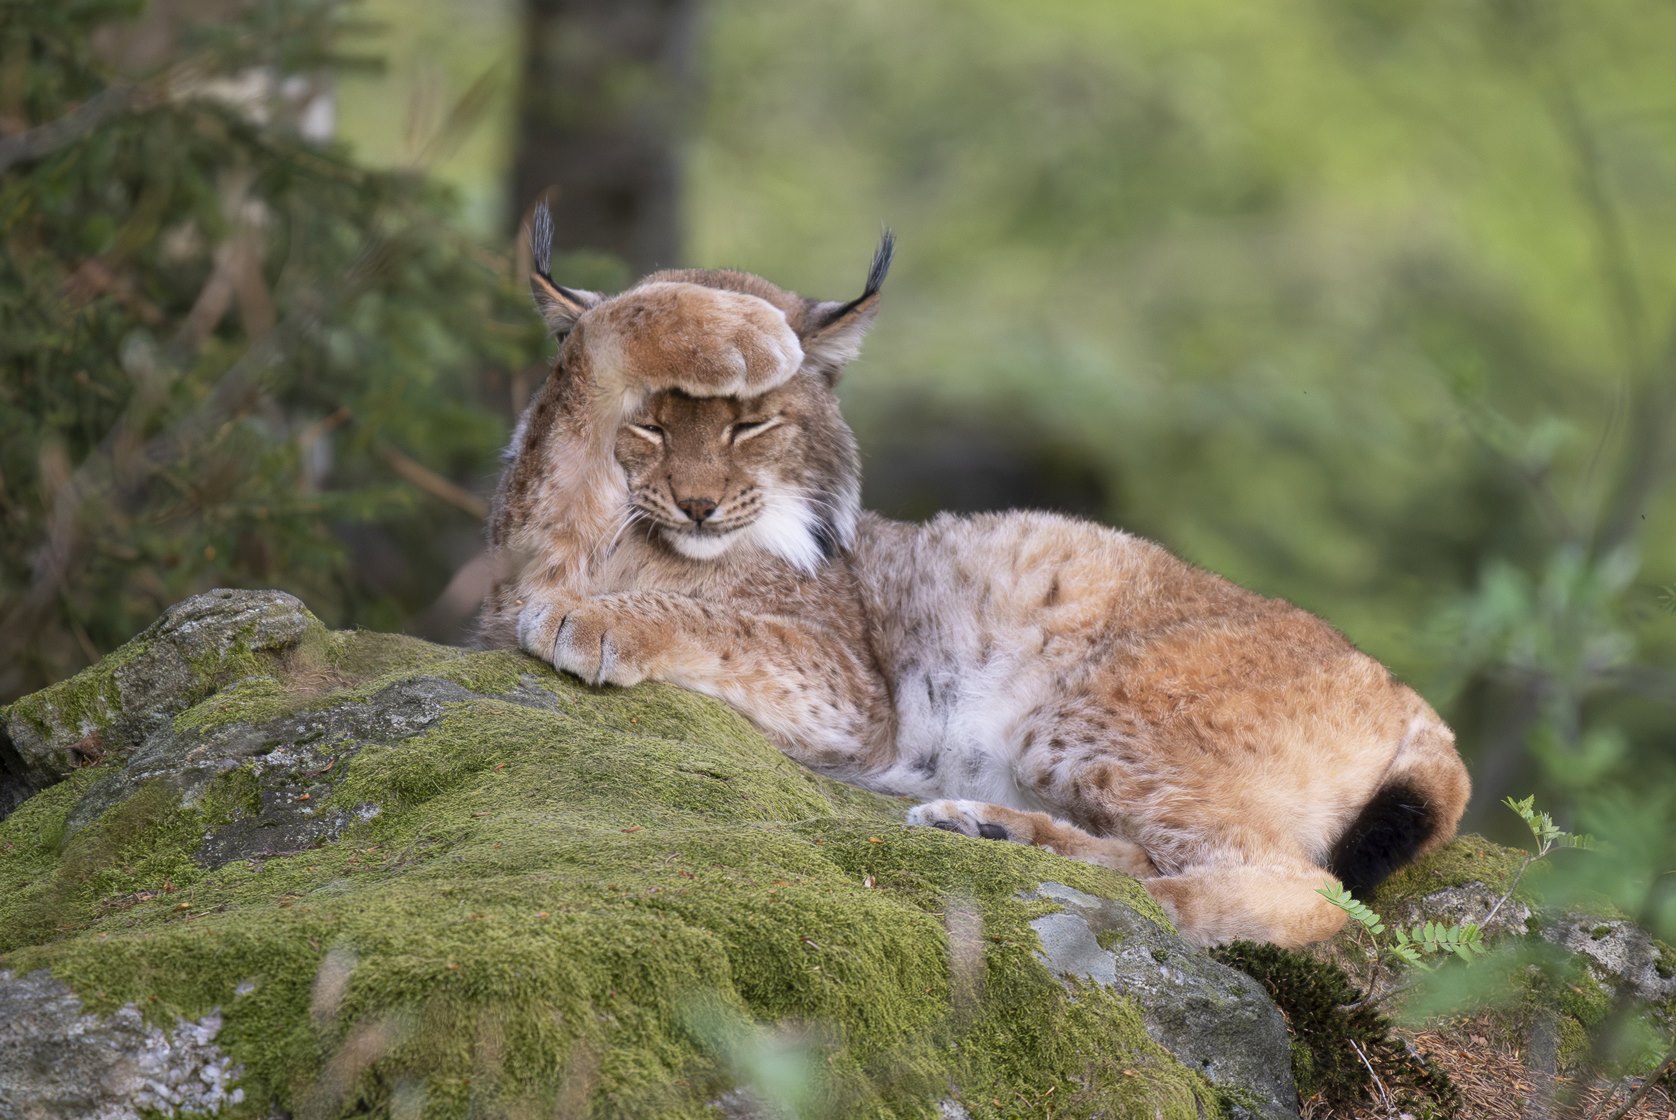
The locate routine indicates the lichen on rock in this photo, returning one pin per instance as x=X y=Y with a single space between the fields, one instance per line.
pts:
x=60 y=1061
x=398 y=877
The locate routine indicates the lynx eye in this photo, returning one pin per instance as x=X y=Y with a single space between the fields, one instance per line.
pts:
x=745 y=429
x=647 y=432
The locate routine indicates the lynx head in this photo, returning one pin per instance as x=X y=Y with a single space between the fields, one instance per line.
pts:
x=714 y=391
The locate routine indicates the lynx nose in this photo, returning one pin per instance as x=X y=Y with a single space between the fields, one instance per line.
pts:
x=697 y=508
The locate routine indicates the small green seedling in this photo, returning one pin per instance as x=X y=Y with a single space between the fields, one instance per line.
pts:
x=1412 y=945
x=1443 y=939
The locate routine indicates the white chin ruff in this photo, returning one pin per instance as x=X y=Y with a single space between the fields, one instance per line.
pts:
x=786 y=529
x=705 y=547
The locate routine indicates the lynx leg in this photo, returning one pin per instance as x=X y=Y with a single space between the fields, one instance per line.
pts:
x=1211 y=905
x=997 y=822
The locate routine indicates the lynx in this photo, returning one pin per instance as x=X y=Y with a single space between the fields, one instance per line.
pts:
x=682 y=504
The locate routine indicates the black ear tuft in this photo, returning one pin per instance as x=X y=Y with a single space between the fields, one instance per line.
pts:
x=831 y=313
x=831 y=332
x=882 y=256
x=541 y=240
x=559 y=306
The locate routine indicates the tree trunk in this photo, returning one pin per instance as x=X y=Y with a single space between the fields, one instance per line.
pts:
x=601 y=102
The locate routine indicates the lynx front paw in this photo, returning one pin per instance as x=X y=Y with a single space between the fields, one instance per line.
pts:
x=969 y=818
x=538 y=627
x=594 y=644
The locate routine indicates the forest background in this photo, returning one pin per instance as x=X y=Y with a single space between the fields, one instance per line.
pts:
x=1367 y=304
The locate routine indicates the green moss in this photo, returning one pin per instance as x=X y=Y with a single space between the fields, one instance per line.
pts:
x=1324 y=1016
x=1562 y=992
x=552 y=909
x=31 y=840
x=1572 y=1042
x=1304 y=1074
x=1230 y=1099
x=328 y=669
x=1466 y=859
x=82 y=705
x=249 y=700
x=493 y=672
x=1577 y=996
x=359 y=655
x=140 y=851
x=373 y=661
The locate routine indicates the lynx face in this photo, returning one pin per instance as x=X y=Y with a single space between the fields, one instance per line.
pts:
x=776 y=472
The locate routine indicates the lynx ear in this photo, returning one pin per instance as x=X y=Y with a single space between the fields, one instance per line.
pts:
x=831 y=332
x=559 y=306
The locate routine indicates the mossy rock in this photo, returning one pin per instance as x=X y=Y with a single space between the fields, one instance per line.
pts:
x=1339 y=1042
x=356 y=874
x=1553 y=978
x=196 y=647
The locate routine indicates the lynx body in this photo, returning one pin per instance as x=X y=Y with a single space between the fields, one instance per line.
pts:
x=681 y=504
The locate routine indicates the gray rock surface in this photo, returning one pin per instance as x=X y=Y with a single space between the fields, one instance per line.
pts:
x=296 y=760
x=1465 y=902
x=1619 y=953
x=58 y=1061
x=1214 y=1019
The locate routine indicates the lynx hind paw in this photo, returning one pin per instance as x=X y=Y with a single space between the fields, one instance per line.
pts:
x=969 y=818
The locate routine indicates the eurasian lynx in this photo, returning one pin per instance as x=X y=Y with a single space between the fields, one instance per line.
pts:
x=682 y=504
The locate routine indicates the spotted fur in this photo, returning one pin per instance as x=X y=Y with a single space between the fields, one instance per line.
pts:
x=682 y=503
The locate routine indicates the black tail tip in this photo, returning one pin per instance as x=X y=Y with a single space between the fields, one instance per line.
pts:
x=1385 y=836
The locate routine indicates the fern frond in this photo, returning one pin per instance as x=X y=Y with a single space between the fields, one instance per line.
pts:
x=1344 y=900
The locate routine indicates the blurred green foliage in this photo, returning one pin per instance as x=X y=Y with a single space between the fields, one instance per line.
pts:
x=1362 y=303
x=226 y=347
x=1366 y=304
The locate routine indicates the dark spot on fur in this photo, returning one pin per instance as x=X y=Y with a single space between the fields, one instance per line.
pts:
x=1026 y=744
x=1383 y=837
x=927 y=763
x=946 y=826
x=992 y=831
x=1052 y=595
